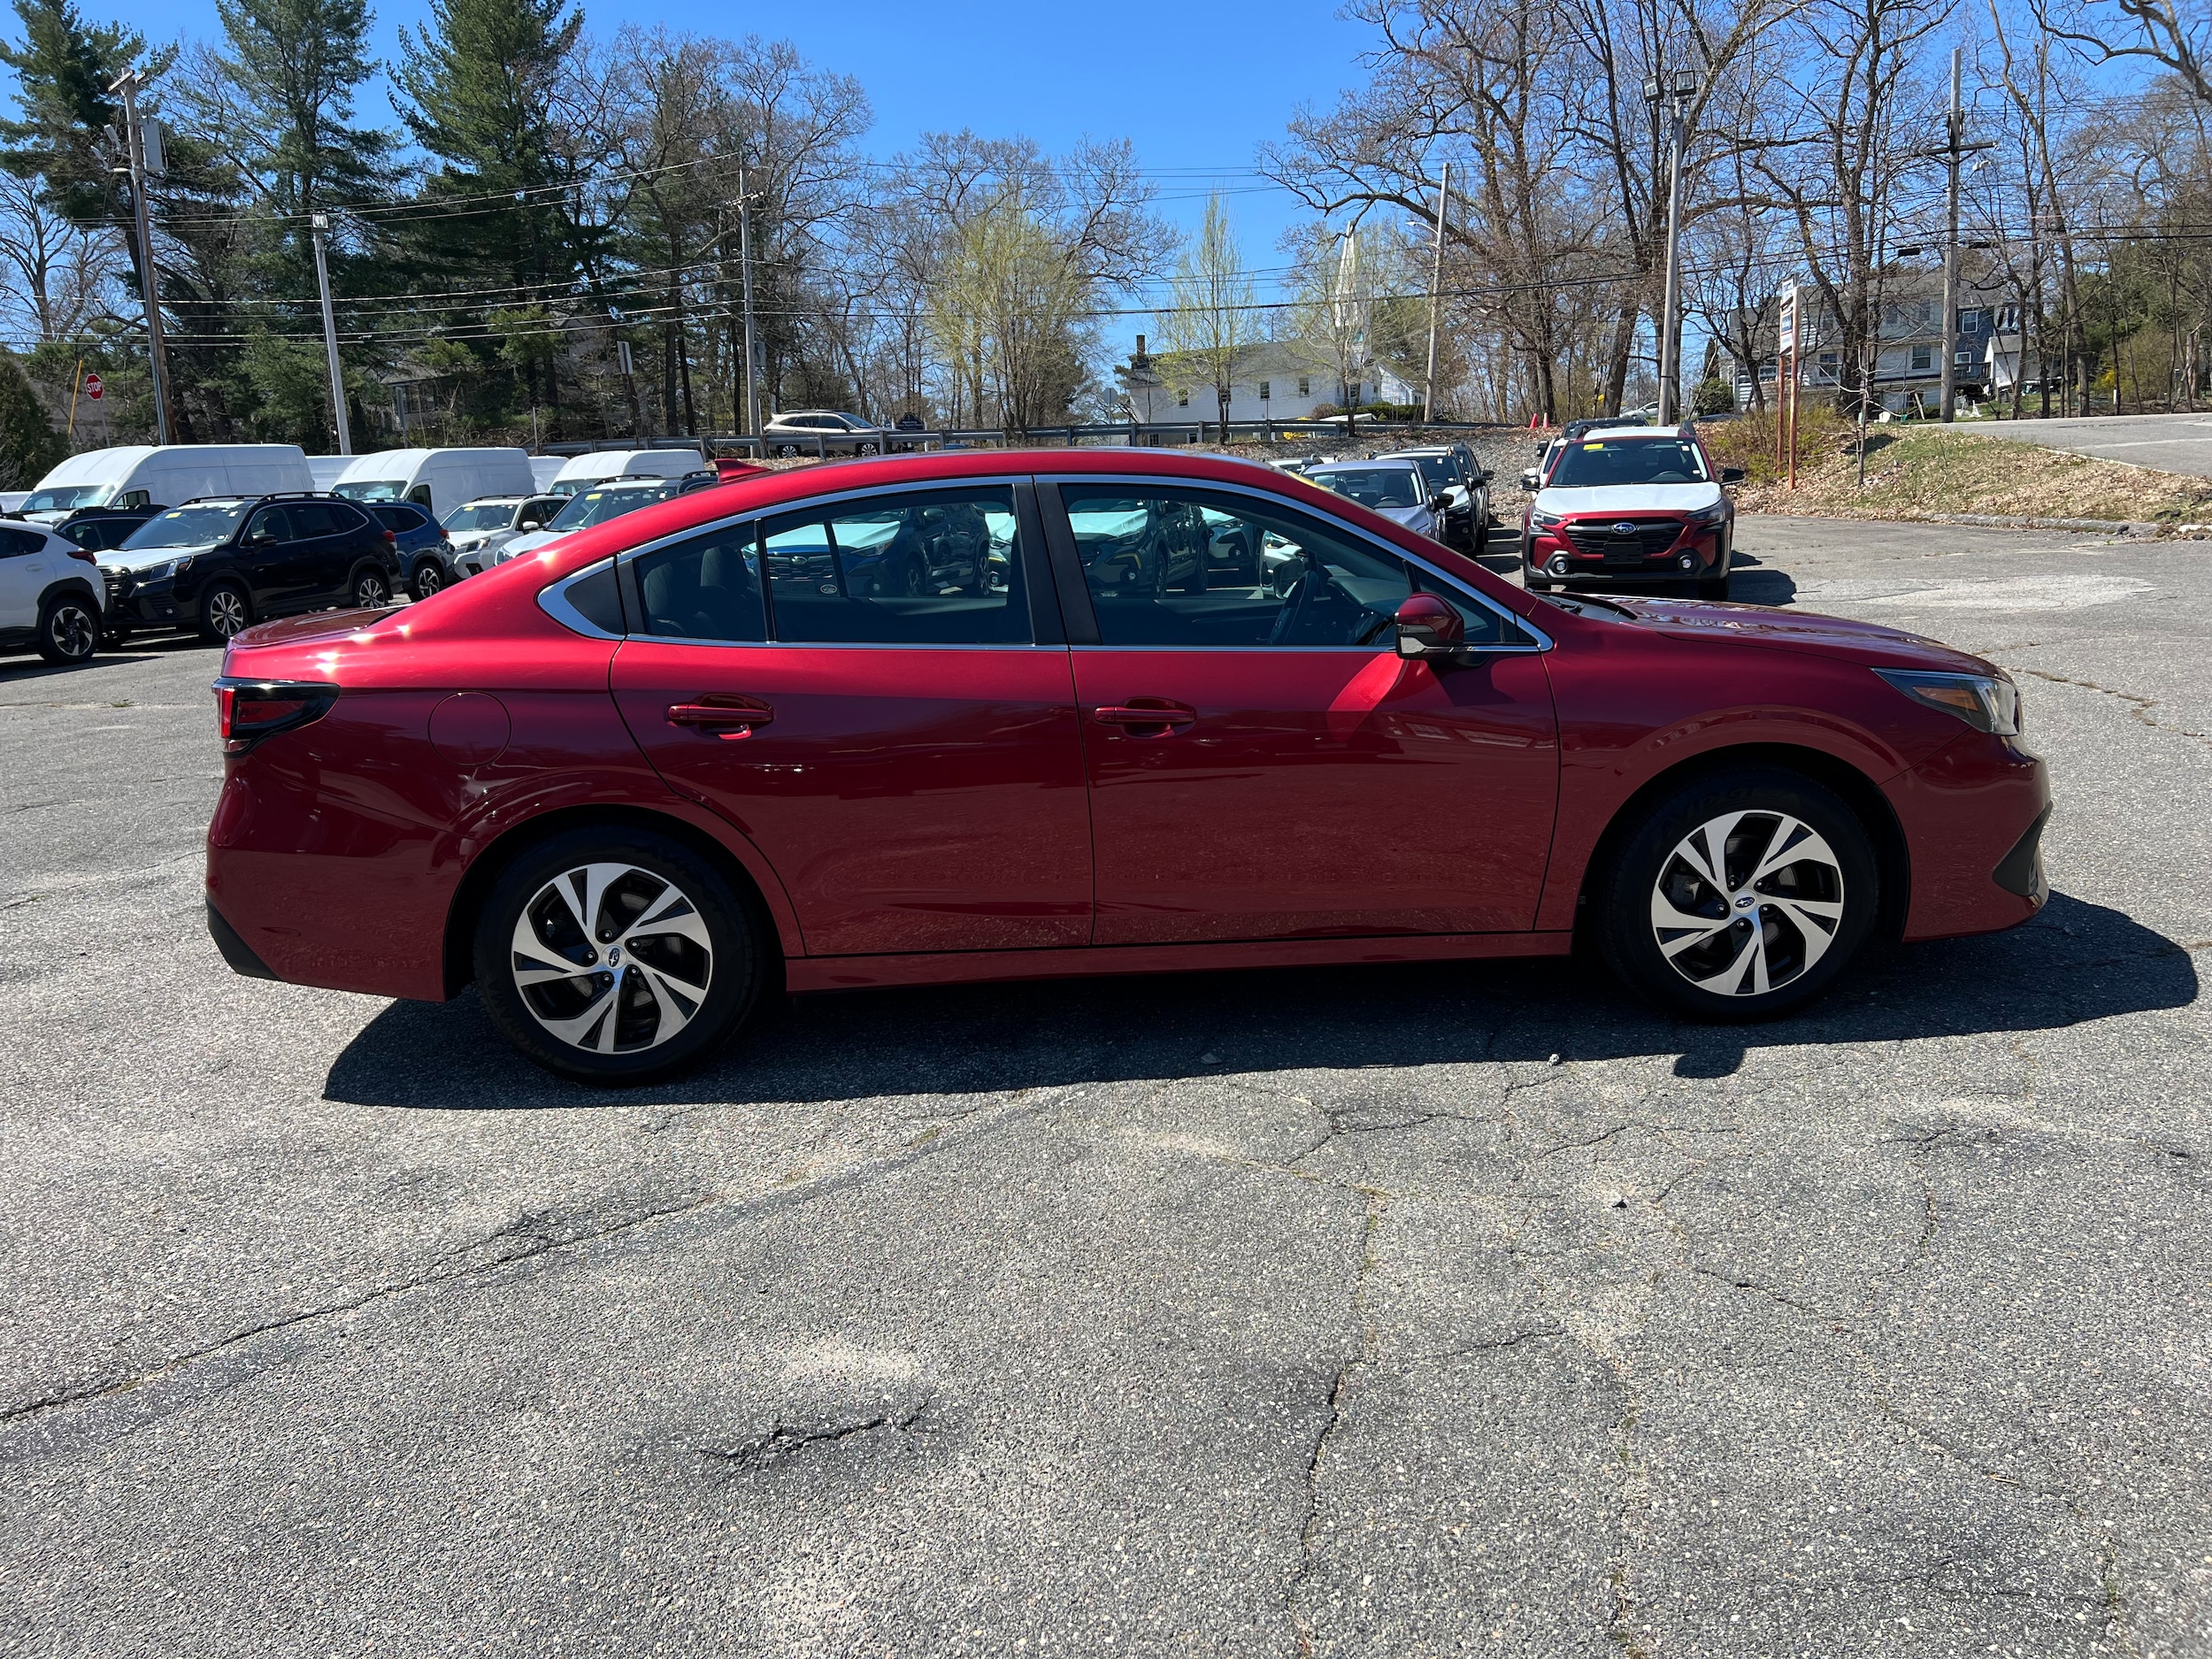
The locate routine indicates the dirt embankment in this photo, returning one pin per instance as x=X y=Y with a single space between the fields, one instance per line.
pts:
x=1933 y=472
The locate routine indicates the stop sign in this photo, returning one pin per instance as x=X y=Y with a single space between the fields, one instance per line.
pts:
x=93 y=387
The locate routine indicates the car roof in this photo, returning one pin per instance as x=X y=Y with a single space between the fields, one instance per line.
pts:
x=1395 y=463
x=1630 y=432
x=496 y=501
x=1418 y=452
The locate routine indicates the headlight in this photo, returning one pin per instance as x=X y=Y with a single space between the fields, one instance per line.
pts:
x=1987 y=703
x=1713 y=514
x=178 y=567
x=1544 y=521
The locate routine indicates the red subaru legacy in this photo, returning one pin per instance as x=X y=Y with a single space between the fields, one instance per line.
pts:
x=992 y=716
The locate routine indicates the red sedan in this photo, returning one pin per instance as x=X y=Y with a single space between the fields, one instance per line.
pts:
x=995 y=716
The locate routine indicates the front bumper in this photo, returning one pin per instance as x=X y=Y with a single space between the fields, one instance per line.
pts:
x=1584 y=551
x=136 y=603
x=1973 y=815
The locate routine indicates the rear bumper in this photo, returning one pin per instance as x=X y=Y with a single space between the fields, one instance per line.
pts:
x=235 y=950
x=1973 y=815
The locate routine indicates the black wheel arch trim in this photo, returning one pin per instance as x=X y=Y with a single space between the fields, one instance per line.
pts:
x=68 y=585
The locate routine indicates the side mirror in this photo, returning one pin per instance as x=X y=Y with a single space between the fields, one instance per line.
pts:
x=1732 y=475
x=1426 y=626
x=1531 y=480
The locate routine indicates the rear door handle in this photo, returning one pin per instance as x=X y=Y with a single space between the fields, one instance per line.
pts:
x=723 y=717
x=1152 y=717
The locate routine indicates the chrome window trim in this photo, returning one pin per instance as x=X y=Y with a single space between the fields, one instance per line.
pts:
x=1544 y=641
x=754 y=515
x=554 y=601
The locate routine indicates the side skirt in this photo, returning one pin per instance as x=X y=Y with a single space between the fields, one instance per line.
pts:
x=848 y=973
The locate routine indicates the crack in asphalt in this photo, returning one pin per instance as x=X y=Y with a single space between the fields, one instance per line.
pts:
x=1363 y=1357
x=529 y=1235
x=2140 y=707
x=784 y=1440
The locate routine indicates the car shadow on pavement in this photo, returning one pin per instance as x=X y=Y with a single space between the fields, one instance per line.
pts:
x=2075 y=962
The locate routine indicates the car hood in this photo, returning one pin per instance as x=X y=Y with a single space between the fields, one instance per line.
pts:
x=1629 y=498
x=1868 y=643
x=530 y=543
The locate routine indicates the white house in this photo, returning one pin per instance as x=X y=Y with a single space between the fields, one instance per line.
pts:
x=1273 y=381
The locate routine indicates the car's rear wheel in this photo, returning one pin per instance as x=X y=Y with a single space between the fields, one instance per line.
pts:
x=1739 y=896
x=616 y=956
x=370 y=589
x=224 y=613
x=428 y=577
x=68 y=630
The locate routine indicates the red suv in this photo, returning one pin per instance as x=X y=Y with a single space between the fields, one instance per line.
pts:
x=1630 y=502
x=997 y=715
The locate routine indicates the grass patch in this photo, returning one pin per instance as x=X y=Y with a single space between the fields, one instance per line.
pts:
x=1917 y=472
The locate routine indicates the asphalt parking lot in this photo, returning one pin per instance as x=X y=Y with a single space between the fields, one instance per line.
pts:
x=1466 y=1309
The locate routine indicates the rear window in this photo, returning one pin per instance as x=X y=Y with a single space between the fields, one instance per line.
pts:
x=401 y=519
x=1372 y=486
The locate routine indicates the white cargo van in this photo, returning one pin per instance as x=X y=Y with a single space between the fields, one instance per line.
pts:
x=329 y=469
x=144 y=475
x=600 y=465
x=437 y=480
x=545 y=469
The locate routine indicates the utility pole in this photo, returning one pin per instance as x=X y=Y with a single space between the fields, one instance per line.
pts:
x=1957 y=137
x=745 y=269
x=1676 y=97
x=1436 y=293
x=135 y=152
x=317 y=224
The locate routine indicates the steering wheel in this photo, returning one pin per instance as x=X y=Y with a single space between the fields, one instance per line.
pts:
x=1295 y=607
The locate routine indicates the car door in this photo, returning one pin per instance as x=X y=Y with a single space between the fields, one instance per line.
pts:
x=1264 y=765
x=328 y=542
x=269 y=557
x=22 y=577
x=906 y=755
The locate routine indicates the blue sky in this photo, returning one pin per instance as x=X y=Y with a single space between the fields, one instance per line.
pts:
x=1197 y=87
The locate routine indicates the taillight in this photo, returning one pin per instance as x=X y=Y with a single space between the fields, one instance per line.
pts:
x=246 y=710
x=392 y=536
x=84 y=553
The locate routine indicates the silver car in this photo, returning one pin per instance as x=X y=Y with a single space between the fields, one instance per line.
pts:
x=479 y=529
x=823 y=432
x=1396 y=490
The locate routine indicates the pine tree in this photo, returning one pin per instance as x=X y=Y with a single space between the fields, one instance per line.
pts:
x=293 y=68
x=62 y=72
x=29 y=446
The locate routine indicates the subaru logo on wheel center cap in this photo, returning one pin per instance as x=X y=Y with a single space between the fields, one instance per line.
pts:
x=614 y=953
x=1743 y=903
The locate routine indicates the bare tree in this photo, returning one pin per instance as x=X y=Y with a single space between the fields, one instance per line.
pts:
x=1209 y=319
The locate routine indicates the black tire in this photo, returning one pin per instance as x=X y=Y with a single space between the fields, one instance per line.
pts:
x=645 y=997
x=68 y=630
x=225 y=612
x=1479 y=542
x=1713 y=587
x=1536 y=584
x=1798 y=952
x=429 y=577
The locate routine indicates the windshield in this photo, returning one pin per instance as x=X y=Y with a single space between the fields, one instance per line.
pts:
x=1595 y=462
x=373 y=489
x=201 y=524
x=68 y=498
x=1377 y=486
x=596 y=506
x=486 y=515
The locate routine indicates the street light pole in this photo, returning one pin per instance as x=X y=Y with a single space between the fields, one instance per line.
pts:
x=1436 y=293
x=745 y=267
x=135 y=150
x=1676 y=97
x=317 y=224
x=1957 y=137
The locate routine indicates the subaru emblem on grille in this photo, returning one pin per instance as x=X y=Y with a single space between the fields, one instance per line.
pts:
x=1623 y=527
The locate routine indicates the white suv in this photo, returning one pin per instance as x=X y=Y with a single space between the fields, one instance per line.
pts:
x=50 y=594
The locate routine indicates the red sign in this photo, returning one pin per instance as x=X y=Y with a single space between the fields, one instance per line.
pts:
x=93 y=386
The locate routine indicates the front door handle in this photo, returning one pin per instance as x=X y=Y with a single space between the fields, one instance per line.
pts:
x=722 y=717
x=1147 y=717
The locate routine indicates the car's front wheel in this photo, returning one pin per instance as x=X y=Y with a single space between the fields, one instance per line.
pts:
x=617 y=956
x=68 y=630
x=1739 y=896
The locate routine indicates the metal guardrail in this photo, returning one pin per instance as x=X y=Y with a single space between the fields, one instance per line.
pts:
x=1133 y=435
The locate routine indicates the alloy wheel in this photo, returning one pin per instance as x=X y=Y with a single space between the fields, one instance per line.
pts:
x=72 y=631
x=1747 y=902
x=370 y=592
x=611 y=958
x=226 y=616
x=428 y=579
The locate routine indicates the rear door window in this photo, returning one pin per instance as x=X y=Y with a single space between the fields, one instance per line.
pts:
x=706 y=588
x=937 y=567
